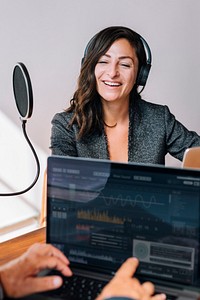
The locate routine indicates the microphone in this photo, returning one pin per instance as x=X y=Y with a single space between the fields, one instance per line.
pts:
x=23 y=95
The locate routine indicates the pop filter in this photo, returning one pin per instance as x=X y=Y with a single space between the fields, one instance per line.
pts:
x=23 y=91
x=24 y=100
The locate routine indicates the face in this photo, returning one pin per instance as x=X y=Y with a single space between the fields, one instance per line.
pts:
x=116 y=71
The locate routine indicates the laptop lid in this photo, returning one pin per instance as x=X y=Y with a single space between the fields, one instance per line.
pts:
x=101 y=212
x=191 y=158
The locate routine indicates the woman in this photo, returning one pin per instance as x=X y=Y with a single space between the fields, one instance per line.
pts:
x=107 y=118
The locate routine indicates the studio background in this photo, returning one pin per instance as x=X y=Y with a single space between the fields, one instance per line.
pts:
x=49 y=37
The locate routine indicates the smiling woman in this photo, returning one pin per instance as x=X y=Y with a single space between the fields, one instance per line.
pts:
x=107 y=117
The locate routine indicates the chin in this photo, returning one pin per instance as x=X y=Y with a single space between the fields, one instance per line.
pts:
x=108 y=97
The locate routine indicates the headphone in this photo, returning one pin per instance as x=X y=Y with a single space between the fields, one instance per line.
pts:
x=144 y=69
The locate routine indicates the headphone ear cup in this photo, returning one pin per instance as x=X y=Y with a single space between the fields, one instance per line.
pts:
x=91 y=41
x=143 y=75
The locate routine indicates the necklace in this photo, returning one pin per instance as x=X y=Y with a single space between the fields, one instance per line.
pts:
x=110 y=126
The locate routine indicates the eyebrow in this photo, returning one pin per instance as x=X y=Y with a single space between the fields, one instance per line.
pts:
x=121 y=57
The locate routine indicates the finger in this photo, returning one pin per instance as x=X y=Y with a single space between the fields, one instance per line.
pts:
x=42 y=284
x=56 y=252
x=148 y=287
x=47 y=249
x=150 y=290
x=159 y=297
x=52 y=262
x=128 y=268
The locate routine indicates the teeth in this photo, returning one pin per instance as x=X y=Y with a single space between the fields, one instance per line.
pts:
x=111 y=83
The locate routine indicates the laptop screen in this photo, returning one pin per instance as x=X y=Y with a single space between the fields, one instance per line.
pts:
x=101 y=212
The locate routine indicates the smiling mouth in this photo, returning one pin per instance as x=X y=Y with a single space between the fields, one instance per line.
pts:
x=112 y=84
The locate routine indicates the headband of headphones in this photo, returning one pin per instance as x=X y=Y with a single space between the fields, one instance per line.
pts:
x=144 y=70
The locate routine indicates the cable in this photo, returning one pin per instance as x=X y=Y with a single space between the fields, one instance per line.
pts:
x=37 y=162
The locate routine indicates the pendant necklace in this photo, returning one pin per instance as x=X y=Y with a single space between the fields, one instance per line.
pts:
x=110 y=126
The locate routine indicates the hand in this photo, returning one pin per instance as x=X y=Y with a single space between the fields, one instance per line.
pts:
x=124 y=284
x=19 y=277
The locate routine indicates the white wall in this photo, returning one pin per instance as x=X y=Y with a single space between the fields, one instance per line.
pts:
x=49 y=37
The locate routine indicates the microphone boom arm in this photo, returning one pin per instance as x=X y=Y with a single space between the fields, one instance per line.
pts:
x=37 y=163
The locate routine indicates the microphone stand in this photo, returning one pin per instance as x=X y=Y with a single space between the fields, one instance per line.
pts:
x=37 y=162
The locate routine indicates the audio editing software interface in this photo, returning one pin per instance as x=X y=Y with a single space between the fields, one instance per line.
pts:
x=100 y=214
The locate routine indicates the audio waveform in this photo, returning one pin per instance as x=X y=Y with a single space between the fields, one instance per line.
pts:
x=90 y=255
x=99 y=216
x=77 y=260
x=129 y=201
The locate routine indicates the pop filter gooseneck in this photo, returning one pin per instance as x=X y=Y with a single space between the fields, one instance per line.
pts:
x=24 y=101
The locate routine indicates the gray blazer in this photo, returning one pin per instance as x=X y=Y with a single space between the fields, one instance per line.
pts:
x=153 y=132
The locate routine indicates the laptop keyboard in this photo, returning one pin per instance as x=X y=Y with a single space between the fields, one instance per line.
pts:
x=78 y=287
x=171 y=297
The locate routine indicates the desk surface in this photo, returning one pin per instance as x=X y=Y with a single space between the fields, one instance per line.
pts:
x=15 y=247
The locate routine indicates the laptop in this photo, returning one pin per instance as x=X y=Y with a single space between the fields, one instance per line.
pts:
x=191 y=158
x=101 y=212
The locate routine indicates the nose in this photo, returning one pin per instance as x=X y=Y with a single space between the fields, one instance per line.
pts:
x=113 y=70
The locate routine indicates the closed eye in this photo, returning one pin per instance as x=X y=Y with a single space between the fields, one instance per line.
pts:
x=125 y=65
x=102 y=62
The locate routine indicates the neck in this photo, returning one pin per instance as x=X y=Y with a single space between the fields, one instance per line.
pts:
x=115 y=113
